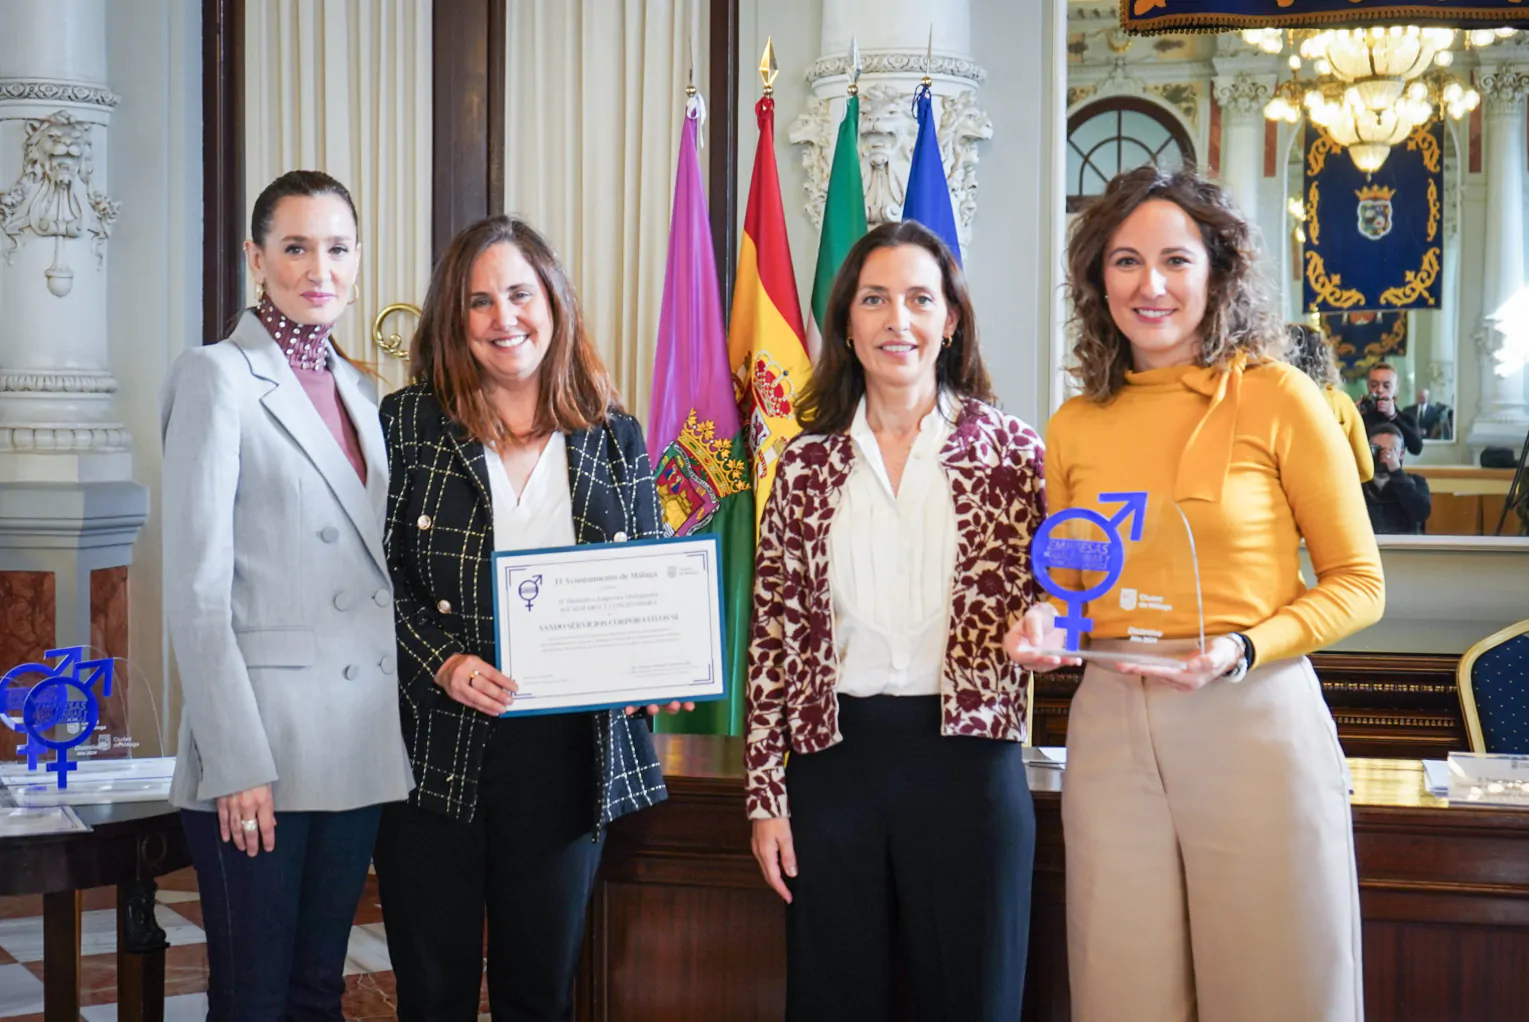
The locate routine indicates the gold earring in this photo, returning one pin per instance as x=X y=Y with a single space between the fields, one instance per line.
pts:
x=849 y=342
x=355 y=293
x=259 y=291
x=946 y=342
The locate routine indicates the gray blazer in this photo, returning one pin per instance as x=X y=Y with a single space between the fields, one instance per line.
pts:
x=277 y=590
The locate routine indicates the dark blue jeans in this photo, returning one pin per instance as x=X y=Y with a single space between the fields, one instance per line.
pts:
x=278 y=925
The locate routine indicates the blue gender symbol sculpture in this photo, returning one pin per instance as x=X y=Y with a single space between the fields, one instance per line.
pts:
x=51 y=702
x=1106 y=555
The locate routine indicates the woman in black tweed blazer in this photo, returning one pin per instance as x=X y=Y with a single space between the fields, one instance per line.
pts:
x=509 y=813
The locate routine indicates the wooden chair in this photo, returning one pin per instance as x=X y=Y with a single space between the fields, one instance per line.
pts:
x=1494 y=691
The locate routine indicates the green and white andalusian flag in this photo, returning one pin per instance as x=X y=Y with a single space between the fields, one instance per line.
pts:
x=843 y=218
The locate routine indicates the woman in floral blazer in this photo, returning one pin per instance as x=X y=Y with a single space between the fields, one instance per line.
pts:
x=893 y=556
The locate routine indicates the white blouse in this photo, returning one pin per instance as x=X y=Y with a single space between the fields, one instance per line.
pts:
x=890 y=562
x=542 y=515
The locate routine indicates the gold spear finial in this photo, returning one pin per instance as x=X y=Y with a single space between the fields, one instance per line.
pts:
x=768 y=69
x=854 y=65
x=929 y=57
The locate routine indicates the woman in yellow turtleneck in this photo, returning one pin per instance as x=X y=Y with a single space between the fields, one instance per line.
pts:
x=1210 y=861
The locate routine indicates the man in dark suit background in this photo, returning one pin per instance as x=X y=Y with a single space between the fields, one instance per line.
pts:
x=1434 y=420
x=1399 y=503
x=1378 y=408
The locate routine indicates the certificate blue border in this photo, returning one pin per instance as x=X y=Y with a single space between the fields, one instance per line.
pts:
x=705 y=540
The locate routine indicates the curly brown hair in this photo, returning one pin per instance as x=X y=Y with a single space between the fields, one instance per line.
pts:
x=1311 y=353
x=1239 y=313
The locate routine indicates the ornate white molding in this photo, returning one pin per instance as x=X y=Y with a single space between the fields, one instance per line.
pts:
x=888 y=130
x=56 y=383
x=1244 y=94
x=51 y=197
x=105 y=439
x=1182 y=96
x=898 y=62
x=44 y=91
x=1441 y=377
x=1122 y=80
x=1504 y=87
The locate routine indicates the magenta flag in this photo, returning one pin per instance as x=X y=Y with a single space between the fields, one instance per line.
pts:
x=700 y=456
x=690 y=367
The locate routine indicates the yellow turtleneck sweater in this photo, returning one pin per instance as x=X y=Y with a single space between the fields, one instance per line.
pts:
x=1352 y=424
x=1251 y=458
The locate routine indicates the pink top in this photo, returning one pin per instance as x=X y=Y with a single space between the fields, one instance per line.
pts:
x=308 y=353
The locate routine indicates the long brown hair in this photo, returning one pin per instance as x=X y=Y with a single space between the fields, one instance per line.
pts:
x=302 y=184
x=574 y=390
x=1239 y=314
x=1310 y=352
x=832 y=395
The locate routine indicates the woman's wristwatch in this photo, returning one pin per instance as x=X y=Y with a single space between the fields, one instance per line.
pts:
x=1240 y=668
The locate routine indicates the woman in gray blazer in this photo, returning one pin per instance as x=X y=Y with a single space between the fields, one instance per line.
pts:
x=280 y=610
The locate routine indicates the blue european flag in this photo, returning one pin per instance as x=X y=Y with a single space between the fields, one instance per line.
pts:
x=927 y=197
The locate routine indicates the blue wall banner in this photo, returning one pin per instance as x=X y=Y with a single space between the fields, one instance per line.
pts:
x=1146 y=17
x=1374 y=241
x=1361 y=339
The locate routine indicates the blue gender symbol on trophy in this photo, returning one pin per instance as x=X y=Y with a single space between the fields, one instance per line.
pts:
x=66 y=695
x=1047 y=554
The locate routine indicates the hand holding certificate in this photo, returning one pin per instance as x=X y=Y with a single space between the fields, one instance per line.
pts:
x=608 y=625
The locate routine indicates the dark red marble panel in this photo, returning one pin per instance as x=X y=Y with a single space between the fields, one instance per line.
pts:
x=28 y=606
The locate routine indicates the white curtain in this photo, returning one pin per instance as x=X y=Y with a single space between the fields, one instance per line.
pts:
x=594 y=108
x=344 y=86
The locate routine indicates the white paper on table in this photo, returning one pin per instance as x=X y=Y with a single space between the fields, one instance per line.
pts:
x=1436 y=776
x=27 y=822
x=1053 y=756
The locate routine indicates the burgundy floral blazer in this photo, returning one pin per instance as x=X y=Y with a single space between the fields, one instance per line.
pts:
x=995 y=466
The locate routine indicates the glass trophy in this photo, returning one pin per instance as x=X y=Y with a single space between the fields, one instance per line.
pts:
x=64 y=725
x=1126 y=561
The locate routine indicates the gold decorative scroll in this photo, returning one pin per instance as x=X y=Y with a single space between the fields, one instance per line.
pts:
x=392 y=344
x=1330 y=289
x=1417 y=282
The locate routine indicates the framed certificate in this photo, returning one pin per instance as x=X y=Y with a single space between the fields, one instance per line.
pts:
x=607 y=625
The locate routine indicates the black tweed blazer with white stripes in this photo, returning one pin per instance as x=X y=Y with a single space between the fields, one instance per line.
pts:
x=440 y=541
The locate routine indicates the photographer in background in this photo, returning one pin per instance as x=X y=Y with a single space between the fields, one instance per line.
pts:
x=1379 y=408
x=1398 y=503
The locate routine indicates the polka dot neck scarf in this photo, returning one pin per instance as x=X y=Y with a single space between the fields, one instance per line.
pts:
x=305 y=346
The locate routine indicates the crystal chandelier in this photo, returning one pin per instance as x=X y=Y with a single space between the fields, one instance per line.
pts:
x=1373 y=86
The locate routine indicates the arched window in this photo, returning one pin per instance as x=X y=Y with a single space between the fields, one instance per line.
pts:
x=1117 y=134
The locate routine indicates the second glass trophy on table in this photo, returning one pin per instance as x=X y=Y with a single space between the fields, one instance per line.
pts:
x=1123 y=566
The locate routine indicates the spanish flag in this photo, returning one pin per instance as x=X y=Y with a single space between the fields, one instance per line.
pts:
x=766 y=342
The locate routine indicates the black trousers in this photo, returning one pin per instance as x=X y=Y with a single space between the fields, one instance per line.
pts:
x=527 y=860
x=909 y=846
x=278 y=924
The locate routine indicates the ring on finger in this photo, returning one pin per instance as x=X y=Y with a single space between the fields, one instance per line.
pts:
x=248 y=826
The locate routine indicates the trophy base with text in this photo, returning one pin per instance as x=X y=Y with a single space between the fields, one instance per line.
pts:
x=1116 y=658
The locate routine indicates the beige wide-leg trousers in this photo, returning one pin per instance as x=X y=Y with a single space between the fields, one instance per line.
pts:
x=1210 y=852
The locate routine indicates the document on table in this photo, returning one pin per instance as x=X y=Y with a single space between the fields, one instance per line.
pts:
x=611 y=624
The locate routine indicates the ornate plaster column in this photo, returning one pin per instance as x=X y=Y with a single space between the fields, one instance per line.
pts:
x=1503 y=335
x=69 y=510
x=57 y=421
x=1242 y=95
x=1441 y=376
x=894 y=41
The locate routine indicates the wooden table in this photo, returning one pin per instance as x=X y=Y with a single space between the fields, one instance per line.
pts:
x=682 y=927
x=129 y=845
